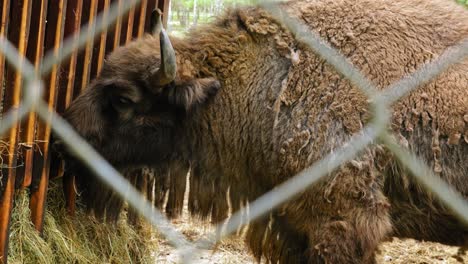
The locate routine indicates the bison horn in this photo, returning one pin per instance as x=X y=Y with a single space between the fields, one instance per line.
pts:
x=167 y=71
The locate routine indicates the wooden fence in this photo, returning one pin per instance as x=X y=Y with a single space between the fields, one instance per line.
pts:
x=36 y=27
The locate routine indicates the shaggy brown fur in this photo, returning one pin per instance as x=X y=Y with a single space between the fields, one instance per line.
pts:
x=281 y=108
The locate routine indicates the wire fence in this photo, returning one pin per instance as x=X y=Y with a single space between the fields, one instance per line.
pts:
x=31 y=102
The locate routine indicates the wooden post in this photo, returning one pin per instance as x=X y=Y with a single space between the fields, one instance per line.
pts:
x=65 y=97
x=55 y=17
x=35 y=53
x=163 y=5
x=19 y=15
x=6 y=197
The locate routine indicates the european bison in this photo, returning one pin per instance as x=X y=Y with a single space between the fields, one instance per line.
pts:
x=249 y=106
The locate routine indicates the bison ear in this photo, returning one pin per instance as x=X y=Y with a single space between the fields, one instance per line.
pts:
x=188 y=94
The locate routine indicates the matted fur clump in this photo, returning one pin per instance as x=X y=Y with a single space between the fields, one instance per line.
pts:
x=78 y=239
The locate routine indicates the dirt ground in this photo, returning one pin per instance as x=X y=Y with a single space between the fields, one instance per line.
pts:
x=233 y=250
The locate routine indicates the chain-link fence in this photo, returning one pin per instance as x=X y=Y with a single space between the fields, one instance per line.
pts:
x=29 y=100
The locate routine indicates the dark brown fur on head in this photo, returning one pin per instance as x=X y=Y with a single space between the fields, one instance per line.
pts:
x=123 y=117
x=130 y=119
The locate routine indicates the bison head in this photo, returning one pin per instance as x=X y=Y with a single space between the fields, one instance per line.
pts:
x=133 y=111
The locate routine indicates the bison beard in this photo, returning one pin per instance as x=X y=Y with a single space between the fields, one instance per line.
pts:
x=247 y=106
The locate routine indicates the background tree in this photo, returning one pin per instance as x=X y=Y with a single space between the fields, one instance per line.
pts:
x=188 y=13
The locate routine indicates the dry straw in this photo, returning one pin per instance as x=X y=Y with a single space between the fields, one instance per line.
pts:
x=78 y=239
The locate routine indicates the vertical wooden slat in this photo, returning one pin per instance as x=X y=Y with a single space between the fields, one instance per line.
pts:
x=5 y=9
x=141 y=16
x=54 y=36
x=113 y=37
x=19 y=14
x=118 y=28
x=65 y=96
x=72 y=29
x=127 y=27
x=100 y=48
x=163 y=5
x=34 y=53
x=18 y=35
x=152 y=4
x=7 y=184
x=89 y=48
x=69 y=191
x=131 y=21
x=82 y=68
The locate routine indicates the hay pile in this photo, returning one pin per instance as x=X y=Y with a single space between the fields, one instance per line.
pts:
x=410 y=251
x=85 y=240
x=81 y=239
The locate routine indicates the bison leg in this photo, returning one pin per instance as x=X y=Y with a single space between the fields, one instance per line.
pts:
x=345 y=216
x=277 y=241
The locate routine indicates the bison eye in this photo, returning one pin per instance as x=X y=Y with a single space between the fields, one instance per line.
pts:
x=124 y=100
x=121 y=102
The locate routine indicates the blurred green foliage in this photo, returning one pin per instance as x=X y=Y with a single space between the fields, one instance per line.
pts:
x=188 y=13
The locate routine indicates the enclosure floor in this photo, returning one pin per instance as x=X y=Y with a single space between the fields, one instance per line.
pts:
x=233 y=250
